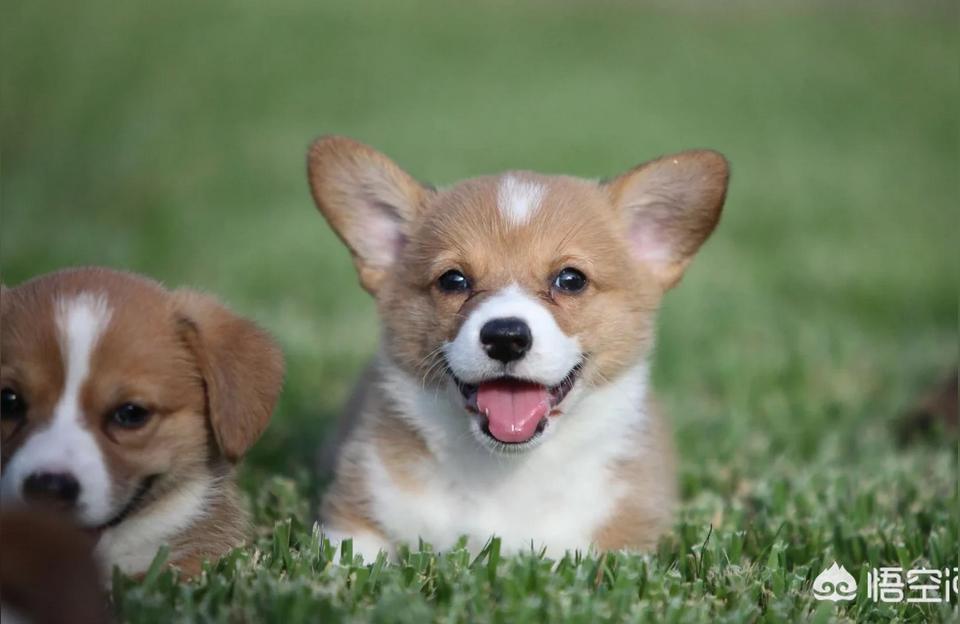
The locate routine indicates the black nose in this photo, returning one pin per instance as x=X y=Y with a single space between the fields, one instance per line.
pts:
x=506 y=339
x=52 y=488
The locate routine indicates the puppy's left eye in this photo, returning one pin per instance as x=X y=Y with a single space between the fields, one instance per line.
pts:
x=130 y=416
x=12 y=405
x=570 y=280
x=453 y=281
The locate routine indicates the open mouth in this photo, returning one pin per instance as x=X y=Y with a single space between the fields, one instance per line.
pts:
x=515 y=411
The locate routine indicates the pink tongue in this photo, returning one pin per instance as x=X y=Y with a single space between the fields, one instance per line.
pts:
x=513 y=408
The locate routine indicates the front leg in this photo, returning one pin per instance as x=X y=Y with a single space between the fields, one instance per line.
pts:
x=344 y=514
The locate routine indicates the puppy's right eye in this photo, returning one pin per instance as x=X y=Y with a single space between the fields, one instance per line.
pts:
x=12 y=405
x=453 y=282
x=130 y=416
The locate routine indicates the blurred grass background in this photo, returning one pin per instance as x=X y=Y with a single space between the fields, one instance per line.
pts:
x=169 y=138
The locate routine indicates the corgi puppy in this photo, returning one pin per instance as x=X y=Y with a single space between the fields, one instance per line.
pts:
x=510 y=396
x=126 y=407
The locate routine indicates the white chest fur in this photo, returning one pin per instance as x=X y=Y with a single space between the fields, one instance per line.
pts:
x=133 y=544
x=554 y=496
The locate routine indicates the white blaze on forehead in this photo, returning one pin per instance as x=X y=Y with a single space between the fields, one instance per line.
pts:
x=552 y=354
x=80 y=323
x=519 y=199
x=66 y=445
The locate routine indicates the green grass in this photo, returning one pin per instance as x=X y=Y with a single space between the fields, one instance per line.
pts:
x=170 y=139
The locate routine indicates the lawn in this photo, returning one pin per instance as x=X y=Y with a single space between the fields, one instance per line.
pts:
x=169 y=138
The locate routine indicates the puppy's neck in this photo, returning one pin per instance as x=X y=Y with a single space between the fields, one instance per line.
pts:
x=193 y=518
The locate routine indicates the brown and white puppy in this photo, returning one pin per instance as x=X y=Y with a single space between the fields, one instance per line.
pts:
x=510 y=395
x=126 y=406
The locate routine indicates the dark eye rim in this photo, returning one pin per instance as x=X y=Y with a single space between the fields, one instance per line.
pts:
x=465 y=284
x=21 y=409
x=585 y=281
x=142 y=415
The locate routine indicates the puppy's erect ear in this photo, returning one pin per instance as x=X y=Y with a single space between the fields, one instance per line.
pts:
x=368 y=200
x=671 y=206
x=242 y=369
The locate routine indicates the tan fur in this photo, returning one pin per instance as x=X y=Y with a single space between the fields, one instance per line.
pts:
x=347 y=501
x=632 y=236
x=225 y=526
x=466 y=231
x=354 y=186
x=649 y=196
x=241 y=366
x=646 y=511
x=401 y=449
x=194 y=365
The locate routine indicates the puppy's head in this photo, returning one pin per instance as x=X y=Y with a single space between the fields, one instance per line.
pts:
x=520 y=292
x=115 y=389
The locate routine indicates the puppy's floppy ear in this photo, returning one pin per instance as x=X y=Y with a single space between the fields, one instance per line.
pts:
x=671 y=206
x=368 y=200
x=242 y=369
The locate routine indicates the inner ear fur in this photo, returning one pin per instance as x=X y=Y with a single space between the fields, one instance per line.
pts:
x=241 y=365
x=671 y=205
x=367 y=199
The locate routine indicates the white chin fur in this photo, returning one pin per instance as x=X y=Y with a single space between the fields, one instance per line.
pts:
x=132 y=544
x=551 y=357
x=565 y=486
